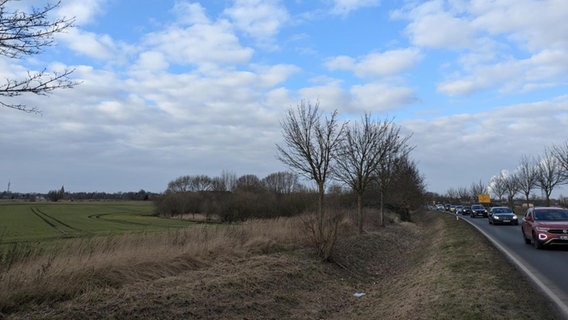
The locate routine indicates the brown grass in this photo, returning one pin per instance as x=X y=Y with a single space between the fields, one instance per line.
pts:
x=84 y=264
x=265 y=270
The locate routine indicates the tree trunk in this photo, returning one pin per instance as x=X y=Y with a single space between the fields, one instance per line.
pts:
x=528 y=200
x=547 y=199
x=382 y=211
x=320 y=211
x=360 y=212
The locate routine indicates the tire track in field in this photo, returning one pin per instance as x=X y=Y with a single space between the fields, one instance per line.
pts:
x=58 y=225
x=102 y=215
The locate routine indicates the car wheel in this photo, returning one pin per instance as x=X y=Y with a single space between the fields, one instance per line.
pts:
x=537 y=244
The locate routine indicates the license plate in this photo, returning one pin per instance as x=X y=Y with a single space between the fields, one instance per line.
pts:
x=563 y=237
x=506 y=220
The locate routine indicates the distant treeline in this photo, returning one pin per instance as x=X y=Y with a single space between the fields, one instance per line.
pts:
x=231 y=198
x=56 y=195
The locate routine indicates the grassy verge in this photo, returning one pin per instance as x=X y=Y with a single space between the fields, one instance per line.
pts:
x=433 y=268
x=475 y=281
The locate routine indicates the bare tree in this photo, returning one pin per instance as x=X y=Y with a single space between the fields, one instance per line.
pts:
x=387 y=169
x=463 y=194
x=310 y=141
x=249 y=182
x=201 y=183
x=512 y=187
x=407 y=187
x=527 y=176
x=366 y=145
x=28 y=33
x=181 y=184
x=497 y=184
x=560 y=152
x=453 y=194
x=225 y=182
x=281 y=182
x=191 y=184
x=549 y=174
x=476 y=189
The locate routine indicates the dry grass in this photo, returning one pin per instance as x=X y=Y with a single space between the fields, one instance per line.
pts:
x=84 y=264
x=262 y=270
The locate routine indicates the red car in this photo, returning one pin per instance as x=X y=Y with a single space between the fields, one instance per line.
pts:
x=544 y=226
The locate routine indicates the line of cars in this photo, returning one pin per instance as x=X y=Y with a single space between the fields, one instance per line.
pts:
x=540 y=226
x=495 y=215
x=476 y=210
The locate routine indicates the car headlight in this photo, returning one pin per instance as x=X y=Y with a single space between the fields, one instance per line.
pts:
x=496 y=217
x=541 y=229
x=515 y=218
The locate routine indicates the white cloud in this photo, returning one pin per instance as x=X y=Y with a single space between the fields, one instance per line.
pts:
x=432 y=26
x=380 y=98
x=534 y=25
x=270 y=76
x=83 y=11
x=98 y=46
x=330 y=96
x=545 y=69
x=344 y=7
x=148 y=63
x=190 y=13
x=460 y=87
x=201 y=45
x=260 y=19
x=501 y=45
x=386 y=63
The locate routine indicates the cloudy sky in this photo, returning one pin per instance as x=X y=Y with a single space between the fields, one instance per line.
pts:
x=172 y=88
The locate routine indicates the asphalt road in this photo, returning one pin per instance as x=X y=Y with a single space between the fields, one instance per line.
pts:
x=548 y=267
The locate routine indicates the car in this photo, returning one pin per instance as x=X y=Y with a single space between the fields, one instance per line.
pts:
x=478 y=210
x=452 y=208
x=466 y=210
x=440 y=207
x=543 y=226
x=459 y=209
x=502 y=215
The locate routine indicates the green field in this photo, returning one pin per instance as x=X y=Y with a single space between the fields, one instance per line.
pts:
x=37 y=221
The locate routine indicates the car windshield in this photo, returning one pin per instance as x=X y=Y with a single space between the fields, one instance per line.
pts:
x=477 y=207
x=502 y=210
x=551 y=215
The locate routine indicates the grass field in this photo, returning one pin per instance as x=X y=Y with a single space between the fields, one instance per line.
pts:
x=39 y=221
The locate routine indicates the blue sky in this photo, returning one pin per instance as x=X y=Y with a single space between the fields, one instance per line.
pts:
x=172 y=88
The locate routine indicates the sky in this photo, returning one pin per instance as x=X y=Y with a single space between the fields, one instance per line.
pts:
x=174 y=88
